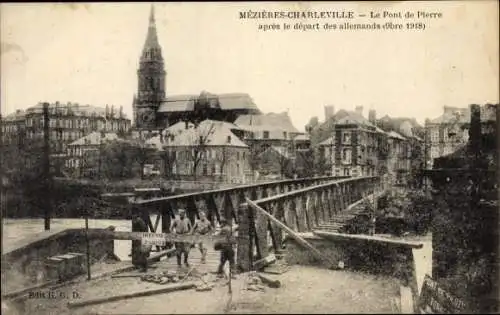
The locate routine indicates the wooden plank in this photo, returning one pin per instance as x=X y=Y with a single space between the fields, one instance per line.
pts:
x=406 y=300
x=264 y=262
x=165 y=289
x=299 y=239
x=272 y=283
x=157 y=222
x=166 y=237
x=341 y=236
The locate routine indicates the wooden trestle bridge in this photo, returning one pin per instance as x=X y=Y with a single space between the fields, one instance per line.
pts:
x=301 y=204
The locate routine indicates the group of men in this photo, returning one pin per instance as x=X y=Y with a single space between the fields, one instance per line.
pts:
x=182 y=226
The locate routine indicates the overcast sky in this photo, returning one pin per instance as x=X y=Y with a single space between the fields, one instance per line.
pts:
x=89 y=54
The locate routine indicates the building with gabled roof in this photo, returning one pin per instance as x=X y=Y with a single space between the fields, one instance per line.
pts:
x=82 y=154
x=210 y=149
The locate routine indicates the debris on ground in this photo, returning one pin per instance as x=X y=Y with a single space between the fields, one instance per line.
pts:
x=278 y=268
x=170 y=276
x=256 y=282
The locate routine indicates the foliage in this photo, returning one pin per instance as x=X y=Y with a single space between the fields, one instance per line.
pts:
x=117 y=160
x=198 y=145
x=412 y=206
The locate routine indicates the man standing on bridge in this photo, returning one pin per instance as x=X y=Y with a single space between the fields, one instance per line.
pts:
x=202 y=227
x=182 y=226
x=226 y=250
x=139 y=251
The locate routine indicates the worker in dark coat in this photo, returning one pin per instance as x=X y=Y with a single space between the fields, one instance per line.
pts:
x=226 y=249
x=139 y=252
x=182 y=226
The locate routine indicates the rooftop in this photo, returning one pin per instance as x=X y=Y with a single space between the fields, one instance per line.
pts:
x=212 y=133
x=268 y=122
x=67 y=109
x=95 y=138
x=225 y=101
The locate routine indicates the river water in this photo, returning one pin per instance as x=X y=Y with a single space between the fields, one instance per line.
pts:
x=16 y=229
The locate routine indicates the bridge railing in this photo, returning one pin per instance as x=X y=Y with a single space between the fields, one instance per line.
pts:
x=218 y=203
x=301 y=210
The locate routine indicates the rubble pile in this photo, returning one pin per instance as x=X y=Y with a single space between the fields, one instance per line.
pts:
x=162 y=278
x=170 y=276
x=253 y=282
x=257 y=282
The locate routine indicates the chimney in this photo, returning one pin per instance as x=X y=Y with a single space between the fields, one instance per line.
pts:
x=329 y=112
x=359 y=110
x=372 y=116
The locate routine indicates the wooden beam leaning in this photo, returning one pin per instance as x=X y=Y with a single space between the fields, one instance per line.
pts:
x=294 y=235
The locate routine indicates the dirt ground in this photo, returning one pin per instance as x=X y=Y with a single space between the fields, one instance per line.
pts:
x=303 y=290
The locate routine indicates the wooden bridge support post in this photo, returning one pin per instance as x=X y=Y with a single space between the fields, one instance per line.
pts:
x=245 y=239
x=300 y=214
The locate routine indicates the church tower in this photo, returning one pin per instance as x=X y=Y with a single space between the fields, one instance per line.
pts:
x=151 y=79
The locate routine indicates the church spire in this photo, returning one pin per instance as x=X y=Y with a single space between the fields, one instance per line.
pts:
x=152 y=37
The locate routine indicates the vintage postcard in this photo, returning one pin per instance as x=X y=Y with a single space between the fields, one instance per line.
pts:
x=249 y=157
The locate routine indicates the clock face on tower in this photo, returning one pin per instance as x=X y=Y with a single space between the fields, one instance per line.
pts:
x=146 y=117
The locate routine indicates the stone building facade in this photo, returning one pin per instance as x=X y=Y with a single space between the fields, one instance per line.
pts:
x=67 y=123
x=450 y=131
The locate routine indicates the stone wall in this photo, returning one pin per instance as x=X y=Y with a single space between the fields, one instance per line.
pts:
x=25 y=266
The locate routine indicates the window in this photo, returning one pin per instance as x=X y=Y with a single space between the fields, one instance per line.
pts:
x=205 y=169
x=346 y=172
x=237 y=155
x=265 y=135
x=346 y=155
x=346 y=137
x=435 y=135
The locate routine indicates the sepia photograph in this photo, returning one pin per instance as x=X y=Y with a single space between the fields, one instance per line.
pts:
x=310 y=157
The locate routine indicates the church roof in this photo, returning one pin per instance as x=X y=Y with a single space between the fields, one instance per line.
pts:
x=226 y=101
x=230 y=101
x=178 y=103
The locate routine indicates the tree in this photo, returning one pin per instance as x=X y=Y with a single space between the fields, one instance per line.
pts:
x=197 y=144
x=312 y=124
x=321 y=165
x=116 y=159
x=223 y=156
x=304 y=163
x=168 y=157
